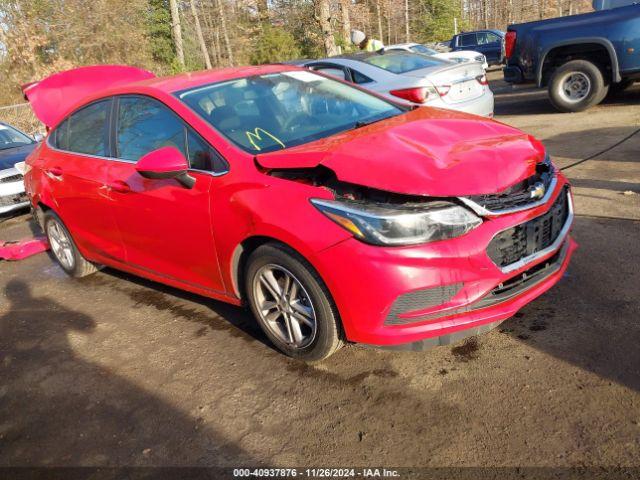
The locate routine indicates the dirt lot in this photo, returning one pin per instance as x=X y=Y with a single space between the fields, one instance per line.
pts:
x=115 y=370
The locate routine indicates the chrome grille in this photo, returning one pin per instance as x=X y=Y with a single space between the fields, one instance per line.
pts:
x=11 y=178
x=516 y=243
x=519 y=195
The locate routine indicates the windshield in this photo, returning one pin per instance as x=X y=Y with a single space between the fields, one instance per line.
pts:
x=12 y=138
x=264 y=113
x=423 y=50
x=402 y=62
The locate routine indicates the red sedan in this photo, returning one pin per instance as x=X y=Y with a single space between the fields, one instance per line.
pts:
x=335 y=214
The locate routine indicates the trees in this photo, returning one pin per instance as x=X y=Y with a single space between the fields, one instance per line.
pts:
x=39 y=37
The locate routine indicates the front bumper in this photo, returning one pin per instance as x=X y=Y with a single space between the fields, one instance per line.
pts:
x=449 y=289
x=12 y=193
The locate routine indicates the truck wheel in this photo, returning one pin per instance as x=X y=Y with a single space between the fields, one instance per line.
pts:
x=291 y=303
x=576 y=86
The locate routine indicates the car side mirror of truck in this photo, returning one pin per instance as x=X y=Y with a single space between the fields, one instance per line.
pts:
x=166 y=162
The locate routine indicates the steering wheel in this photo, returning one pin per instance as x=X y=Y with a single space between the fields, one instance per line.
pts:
x=298 y=120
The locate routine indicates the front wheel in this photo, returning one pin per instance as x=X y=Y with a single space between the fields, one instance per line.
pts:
x=291 y=303
x=576 y=86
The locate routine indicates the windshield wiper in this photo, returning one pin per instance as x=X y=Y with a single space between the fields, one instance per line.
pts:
x=364 y=123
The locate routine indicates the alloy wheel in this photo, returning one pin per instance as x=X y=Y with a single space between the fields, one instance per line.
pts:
x=284 y=306
x=60 y=244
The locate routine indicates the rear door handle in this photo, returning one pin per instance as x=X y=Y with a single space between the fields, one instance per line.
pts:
x=119 y=186
x=54 y=172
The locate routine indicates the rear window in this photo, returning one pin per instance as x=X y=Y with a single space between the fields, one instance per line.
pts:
x=423 y=50
x=402 y=62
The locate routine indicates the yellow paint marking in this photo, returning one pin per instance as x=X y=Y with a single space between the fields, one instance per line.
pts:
x=257 y=135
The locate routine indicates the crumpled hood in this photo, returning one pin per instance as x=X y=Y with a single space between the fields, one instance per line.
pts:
x=424 y=152
x=10 y=156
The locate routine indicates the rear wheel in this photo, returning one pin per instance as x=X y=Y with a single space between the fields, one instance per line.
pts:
x=576 y=86
x=291 y=303
x=64 y=249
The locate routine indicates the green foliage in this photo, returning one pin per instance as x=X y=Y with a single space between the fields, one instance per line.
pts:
x=159 y=32
x=273 y=45
x=433 y=20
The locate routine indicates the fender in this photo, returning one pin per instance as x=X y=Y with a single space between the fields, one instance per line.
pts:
x=580 y=41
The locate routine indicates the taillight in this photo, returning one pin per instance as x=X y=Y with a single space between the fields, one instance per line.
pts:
x=509 y=43
x=482 y=79
x=443 y=89
x=415 y=95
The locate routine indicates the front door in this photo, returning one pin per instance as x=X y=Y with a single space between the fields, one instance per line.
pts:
x=166 y=228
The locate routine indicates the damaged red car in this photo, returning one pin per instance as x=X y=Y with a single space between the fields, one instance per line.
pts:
x=333 y=213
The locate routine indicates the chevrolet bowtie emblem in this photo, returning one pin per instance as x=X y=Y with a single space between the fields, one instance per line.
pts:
x=537 y=190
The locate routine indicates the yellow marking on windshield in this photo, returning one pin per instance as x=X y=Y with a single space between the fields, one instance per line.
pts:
x=257 y=135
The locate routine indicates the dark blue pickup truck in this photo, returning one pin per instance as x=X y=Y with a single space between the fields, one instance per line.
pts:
x=579 y=58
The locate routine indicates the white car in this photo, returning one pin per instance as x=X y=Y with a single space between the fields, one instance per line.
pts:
x=459 y=56
x=14 y=148
x=414 y=79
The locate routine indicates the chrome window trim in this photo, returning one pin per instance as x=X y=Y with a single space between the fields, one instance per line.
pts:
x=120 y=160
x=557 y=243
x=113 y=98
x=483 y=212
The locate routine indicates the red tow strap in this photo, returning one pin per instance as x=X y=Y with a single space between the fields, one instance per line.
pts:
x=23 y=248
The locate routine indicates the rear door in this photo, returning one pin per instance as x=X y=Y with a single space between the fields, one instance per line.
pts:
x=166 y=228
x=490 y=45
x=75 y=164
x=466 y=41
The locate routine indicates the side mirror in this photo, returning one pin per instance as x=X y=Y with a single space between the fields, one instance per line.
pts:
x=166 y=162
x=38 y=137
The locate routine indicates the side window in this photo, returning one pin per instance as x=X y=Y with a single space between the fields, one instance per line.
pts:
x=201 y=156
x=144 y=125
x=359 y=78
x=485 y=38
x=86 y=130
x=467 y=40
x=333 y=71
x=61 y=137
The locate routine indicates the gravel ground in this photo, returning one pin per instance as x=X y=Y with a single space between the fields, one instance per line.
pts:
x=113 y=370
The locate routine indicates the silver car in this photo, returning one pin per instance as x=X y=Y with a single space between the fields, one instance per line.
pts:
x=414 y=79
x=458 y=56
x=14 y=148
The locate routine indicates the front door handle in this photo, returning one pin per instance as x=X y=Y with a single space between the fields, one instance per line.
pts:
x=119 y=186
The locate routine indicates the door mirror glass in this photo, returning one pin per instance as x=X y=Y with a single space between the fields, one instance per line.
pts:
x=163 y=163
x=38 y=137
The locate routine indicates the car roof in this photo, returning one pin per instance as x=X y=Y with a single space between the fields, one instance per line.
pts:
x=187 y=80
x=406 y=44
x=492 y=30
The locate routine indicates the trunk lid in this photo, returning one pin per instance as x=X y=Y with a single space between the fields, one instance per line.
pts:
x=52 y=98
x=459 y=78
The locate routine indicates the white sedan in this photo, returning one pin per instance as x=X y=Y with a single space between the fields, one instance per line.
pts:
x=459 y=56
x=414 y=79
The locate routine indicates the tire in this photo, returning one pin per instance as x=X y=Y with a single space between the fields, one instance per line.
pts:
x=275 y=261
x=64 y=248
x=576 y=86
x=618 y=88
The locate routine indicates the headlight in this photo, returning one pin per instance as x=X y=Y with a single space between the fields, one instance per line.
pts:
x=389 y=225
